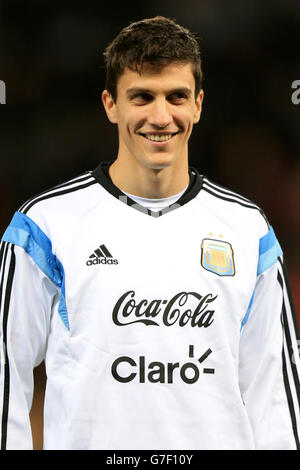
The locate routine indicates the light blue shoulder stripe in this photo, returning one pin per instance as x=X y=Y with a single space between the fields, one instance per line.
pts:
x=269 y=251
x=245 y=319
x=25 y=233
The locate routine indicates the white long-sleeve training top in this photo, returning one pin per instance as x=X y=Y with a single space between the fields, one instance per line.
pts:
x=159 y=330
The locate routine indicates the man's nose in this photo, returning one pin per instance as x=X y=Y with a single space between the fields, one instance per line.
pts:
x=160 y=114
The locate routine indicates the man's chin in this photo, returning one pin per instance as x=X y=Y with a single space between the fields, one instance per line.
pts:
x=158 y=161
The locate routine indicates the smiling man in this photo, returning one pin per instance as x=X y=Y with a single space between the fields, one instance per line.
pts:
x=155 y=112
x=158 y=299
x=155 y=98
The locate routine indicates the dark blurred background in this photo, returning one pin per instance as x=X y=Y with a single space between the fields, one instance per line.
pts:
x=53 y=126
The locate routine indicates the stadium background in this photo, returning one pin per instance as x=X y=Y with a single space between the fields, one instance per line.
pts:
x=53 y=126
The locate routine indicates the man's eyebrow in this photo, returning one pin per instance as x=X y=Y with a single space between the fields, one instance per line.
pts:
x=184 y=90
x=137 y=90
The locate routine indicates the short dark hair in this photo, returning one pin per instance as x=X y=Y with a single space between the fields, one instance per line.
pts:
x=154 y=42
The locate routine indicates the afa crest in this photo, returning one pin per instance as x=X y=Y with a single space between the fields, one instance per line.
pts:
x=217 y=257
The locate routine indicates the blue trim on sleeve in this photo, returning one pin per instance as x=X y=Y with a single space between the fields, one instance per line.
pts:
x=245 y=319
x=25 y=233
x=269 y=251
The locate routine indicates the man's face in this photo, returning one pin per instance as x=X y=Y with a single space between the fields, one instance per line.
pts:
x=155 y=113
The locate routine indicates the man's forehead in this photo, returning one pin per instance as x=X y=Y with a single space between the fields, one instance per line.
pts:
x=170 y=76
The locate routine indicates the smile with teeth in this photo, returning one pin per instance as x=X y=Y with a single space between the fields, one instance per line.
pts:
x=158 y=137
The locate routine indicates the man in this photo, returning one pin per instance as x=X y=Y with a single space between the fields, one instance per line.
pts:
x=158 y=299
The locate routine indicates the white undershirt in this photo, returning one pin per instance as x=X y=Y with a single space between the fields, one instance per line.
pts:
x=156 y=205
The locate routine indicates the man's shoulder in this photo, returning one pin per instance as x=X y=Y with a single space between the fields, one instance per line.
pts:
x=222 y=194
x=61 y=193
x=63 y=205
x=233 y=207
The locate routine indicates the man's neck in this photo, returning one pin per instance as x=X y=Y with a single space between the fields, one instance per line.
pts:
x=149 y=183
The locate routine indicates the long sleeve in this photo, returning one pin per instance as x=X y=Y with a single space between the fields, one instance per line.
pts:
x=269 y=356
x=26 y=299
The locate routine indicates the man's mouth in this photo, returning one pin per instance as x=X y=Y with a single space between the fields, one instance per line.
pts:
x=159 y=137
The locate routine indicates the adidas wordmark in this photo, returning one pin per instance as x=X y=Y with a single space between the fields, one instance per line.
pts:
x=101 y=256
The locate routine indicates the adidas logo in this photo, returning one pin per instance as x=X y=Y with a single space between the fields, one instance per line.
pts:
x=101 y=256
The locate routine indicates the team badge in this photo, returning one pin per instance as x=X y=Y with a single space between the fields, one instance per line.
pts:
x=217 y=257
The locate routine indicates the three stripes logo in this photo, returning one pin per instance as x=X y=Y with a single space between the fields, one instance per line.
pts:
x=101 y=256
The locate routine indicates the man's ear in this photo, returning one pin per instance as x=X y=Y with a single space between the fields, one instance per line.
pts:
x=198 y=107
x=109 y=106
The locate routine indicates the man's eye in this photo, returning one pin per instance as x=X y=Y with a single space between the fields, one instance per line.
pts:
x=142 y=97
x=177 y=97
